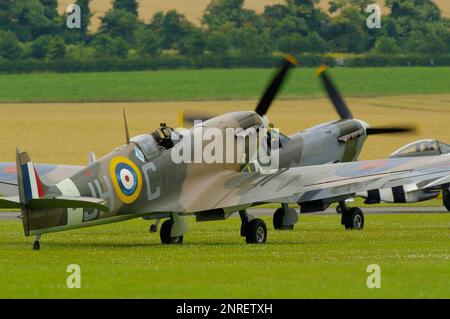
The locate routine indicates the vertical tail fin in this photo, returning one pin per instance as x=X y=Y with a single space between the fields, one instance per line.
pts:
x=44 y=207
x=30 y=185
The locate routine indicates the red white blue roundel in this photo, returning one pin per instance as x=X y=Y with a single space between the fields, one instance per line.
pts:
x=126 y=178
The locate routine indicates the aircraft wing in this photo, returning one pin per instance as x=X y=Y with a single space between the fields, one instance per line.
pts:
x=49 y=173
x=331 y=181
x=56 y=202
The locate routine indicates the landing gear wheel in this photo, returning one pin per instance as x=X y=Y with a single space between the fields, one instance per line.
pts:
x=353 y=219
x=153 y=228
x=36 y=245
x=278 y=220
x=256 y=232
x=446 y=197
x=164 y=234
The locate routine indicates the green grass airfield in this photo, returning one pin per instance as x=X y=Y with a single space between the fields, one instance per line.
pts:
x=319 y=259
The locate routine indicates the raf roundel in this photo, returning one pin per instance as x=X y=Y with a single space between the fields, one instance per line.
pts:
x=126 y=178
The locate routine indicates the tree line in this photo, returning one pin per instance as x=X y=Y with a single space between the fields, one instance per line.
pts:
x=33 y=30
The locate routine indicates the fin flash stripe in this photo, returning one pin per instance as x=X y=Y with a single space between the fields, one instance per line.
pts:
x=32 y=183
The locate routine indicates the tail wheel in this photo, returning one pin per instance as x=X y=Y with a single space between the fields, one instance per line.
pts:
x=164 y=234
x=256 y=232
x=354 y=219
x=36 y=245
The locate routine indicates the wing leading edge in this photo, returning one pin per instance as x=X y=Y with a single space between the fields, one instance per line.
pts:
x=331 y=181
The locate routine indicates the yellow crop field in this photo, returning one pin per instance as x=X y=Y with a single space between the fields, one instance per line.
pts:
x=193 y=9
x=64 y=133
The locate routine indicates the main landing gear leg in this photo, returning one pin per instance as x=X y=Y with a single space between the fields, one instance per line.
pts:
x=253 y=229
x=351 y=218
x=37 y=242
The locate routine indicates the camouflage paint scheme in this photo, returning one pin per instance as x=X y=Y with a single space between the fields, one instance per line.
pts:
x=163 y=188
x=141 y=179
x=410 y=193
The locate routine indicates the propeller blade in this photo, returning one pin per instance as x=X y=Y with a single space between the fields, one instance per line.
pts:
x=274 y=87
x=191 y=117
x=389 y=130
x=334 y=95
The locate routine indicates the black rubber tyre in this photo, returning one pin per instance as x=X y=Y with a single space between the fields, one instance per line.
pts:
x=344 y=217
x=36 y=245
x=153 y=228
x=354 y=219
x=278 y=220
x=343 y=211
x=164 y=234
x=256 y=232
x=446 y=198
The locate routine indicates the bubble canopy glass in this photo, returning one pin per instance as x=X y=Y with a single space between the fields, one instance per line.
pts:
x=427 y=147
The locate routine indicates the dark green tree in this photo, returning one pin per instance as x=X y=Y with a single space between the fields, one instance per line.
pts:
x=56 y=48
x=274 y=14
x=338 y=5
x=171 y=27
x=308 y=11
x=9 y=46
x=7 y=12
x=40 y=46
x=348 y=32
x=223 y=15
x=130 y=6
x=50 y=8
x=73 y=36
x=249 y=41
x=148 y=42
x=293 y=43
x=120 y=47
x=193 y=44
x=86 y=16
x=423 y=10
x=107 y=46
x=103 y=45
x=386 y=45
x=317 y=43
x=28 y=20
x=119 y=23
x=290 y=20
x=417 y=26
x=217 y=43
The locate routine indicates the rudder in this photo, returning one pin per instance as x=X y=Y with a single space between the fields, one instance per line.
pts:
x=29 y=184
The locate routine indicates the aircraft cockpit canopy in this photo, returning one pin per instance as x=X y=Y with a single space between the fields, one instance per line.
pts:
x=161 y=138
x=422 y=148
